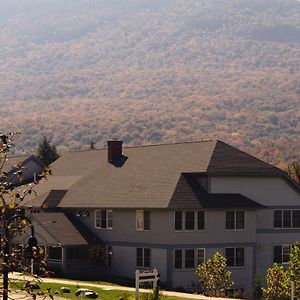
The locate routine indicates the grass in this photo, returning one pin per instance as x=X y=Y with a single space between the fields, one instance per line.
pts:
x=102 y=293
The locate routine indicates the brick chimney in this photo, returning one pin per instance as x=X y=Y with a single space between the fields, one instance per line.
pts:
x=114 y=150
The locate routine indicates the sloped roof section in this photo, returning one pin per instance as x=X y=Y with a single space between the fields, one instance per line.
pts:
x=226 y=159
x=148 y=178
x=190 y=194
x=60 y=228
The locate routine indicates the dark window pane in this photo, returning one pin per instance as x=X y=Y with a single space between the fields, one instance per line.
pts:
x=139 y=257
x=146 y=220
x=296 y=218
x=54 y=253
x=240 y=258
x=178 y=220
x=230 y=220
x=200 y=256
x=287 y=220
x=277 y=218
x=189 y=259
x=103 y=218
x=278 y=254
x=201 y=220
x=286 y=250
x=230 y=257
x=178 y=259
x=189 y=220
x=240 y=220
x=146 y=258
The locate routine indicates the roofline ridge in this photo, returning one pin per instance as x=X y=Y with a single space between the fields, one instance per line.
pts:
x=144 y=146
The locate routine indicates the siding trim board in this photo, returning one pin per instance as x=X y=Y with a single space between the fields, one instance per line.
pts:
x=277 y=230
x=181 y=246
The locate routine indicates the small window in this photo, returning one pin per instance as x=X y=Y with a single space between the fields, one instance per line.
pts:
x=235 y=220
x=143 y=259
x=178 y=220
x=189 y=220
x=200 y=256
x=142 y=220
x=235 y=257
x=104 y=218
x=282 y=254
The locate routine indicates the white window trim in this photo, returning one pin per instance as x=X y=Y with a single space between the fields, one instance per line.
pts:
x=237 y=267
x=280 y=228
x=195 y=221
x=143 y=220
x=107 y=210
x=245 y=220
x=284 y=245
x=143 y=258
x=183 y=258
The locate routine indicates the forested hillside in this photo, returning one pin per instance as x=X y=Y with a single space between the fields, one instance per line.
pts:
x=152 y=71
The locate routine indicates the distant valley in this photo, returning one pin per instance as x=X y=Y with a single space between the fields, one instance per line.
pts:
x=152 y=71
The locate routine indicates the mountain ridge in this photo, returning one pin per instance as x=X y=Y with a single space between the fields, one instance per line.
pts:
x=153 y=71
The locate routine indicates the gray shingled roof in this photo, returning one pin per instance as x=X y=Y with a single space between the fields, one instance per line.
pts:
x=60 y=228
x=148 y=177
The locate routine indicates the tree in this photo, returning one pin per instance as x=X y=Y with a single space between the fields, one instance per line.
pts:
x=46 y=152
x=278 y=284
x=213 y=277
x=294 y=268
x=294 y=170
x=279 y=280
x=12 y=222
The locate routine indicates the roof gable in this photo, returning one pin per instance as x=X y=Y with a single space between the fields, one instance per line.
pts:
x=226 y=159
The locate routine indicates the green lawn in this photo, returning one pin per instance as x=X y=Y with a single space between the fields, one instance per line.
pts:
x=102 y=293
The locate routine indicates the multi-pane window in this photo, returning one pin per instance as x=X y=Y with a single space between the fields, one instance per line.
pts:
x=143 y=257
x=282 y=254
x=188 y=258
x=287 y=218
x=235 y=219
x=235 y=257
x=189 y=220
x=104 y=218
x=142 y=220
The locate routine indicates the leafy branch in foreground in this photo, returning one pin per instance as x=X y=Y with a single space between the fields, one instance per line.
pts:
x=12 y=221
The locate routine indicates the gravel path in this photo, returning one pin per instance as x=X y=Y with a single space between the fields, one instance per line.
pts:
x=19 y=276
